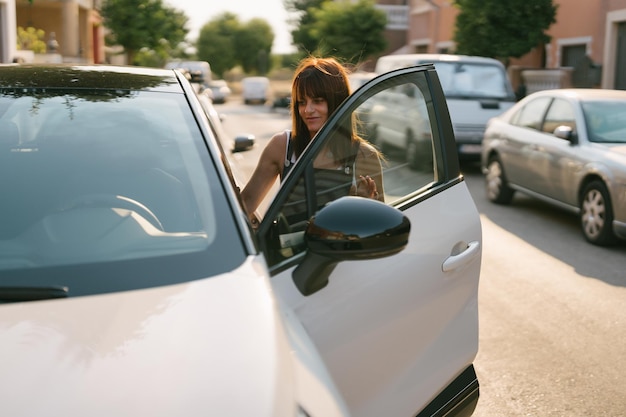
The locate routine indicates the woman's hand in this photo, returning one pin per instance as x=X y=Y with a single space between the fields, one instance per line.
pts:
x=365 y=187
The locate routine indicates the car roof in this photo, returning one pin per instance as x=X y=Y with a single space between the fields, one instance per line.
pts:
x=88 y=76
x=442 y=57
x=585 y=93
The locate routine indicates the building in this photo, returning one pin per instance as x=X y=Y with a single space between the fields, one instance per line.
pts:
x=8 y=31
x=74 y=31
x=587 y=49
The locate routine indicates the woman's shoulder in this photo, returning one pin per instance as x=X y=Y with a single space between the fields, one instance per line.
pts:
x=280 y=138
x=276 y=146
x=367 y=148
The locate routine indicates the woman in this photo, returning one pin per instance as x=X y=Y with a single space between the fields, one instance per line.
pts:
x=319 y=86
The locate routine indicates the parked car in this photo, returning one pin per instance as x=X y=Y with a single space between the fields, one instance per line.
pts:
x=199 y=72
x=358 y=78
x=219 y=90
x=132 y=282
x=397 y=122
x=282 y=101
x=255 y=89
x=567 y=147
x=477 y=89
x=241 y=142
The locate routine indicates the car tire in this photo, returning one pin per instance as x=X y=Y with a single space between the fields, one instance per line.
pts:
x=497 y=187
x=596 y=214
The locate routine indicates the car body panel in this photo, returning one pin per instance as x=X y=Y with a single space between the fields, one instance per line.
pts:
x=139 y=347
x=401 y=349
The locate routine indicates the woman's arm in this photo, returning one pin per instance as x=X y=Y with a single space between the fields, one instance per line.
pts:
x=268 y=168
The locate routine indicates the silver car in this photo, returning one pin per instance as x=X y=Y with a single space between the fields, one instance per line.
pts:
x=568 y=147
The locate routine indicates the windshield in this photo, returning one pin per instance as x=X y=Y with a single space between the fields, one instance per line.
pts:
x=108 y=190
x=605 y=120
x=473 y=80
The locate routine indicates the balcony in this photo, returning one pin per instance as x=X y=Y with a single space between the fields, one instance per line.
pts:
x=397 y=16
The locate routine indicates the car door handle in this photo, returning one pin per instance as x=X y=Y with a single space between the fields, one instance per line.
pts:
x=466 y=256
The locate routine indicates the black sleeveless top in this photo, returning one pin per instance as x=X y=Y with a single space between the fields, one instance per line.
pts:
x=330 y=184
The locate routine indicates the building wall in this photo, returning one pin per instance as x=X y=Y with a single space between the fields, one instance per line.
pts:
x=74 y=23
x=8 y=31
x=584 y=38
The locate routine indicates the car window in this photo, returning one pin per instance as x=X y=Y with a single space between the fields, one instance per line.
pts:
x=109 y=190
x=396 y=118
x=531 y=115
x=605 y=120
x=467 y=79
x=560 y=113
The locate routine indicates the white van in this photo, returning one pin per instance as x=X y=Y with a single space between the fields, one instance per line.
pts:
x=255 y=89
x=476 y=89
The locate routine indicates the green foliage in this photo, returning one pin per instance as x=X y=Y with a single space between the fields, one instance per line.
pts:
x=216 y=43
x=138 y=24
x=351 y=31
x=31 y=39
x=303 y=19
x=253 y=46
x=225 y=42
x=502 y=29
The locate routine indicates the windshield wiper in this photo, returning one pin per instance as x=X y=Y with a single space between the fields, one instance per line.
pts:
x=13 y=294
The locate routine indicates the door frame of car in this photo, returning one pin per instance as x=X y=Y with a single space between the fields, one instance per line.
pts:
x=459 y=391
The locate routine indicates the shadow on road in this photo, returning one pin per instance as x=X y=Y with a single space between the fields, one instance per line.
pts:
x=553 y=230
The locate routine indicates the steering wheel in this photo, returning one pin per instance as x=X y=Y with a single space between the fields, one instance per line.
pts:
x=113 y=201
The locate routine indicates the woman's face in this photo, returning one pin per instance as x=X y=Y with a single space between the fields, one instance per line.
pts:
x=314 y=112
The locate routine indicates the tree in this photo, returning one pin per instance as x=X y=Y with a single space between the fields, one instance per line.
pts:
x=253 y=45
x=225 y=42
x=216 y=42
x=303 y=19
x=352 y=31
x=502 y=29
x=137 y=24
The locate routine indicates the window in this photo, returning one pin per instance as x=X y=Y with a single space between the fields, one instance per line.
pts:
x=560 y=113
x=531 y=115
x=396 y=120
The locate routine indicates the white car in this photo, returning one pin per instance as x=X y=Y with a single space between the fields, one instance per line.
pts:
x=133 y=284
x=476 y=88
x=219 y=91
x=255 y=89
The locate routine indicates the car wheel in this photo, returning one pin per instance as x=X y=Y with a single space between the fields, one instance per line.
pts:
x=596 y=214
x=498 y=190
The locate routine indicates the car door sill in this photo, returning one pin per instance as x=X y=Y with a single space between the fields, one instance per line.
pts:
x=458 y=399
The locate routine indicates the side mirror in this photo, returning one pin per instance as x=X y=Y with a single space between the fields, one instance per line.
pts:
x=565 y=132
x=349 y=229
x=243 y=142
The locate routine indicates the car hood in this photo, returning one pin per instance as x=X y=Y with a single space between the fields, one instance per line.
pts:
x=209 y=347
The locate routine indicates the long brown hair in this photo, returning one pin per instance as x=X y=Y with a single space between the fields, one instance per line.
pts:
x=322 y=78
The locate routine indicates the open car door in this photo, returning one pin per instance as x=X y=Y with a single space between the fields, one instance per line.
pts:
x=386 y=291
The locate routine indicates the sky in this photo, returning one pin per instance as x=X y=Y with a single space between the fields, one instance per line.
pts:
x=200 y=12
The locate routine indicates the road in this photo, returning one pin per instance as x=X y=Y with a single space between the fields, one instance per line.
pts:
x=552 y=307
